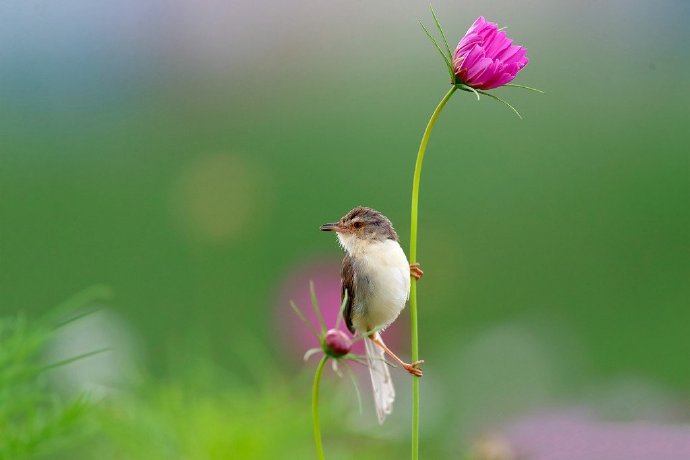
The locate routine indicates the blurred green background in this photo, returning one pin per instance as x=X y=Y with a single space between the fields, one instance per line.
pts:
x=185 y=153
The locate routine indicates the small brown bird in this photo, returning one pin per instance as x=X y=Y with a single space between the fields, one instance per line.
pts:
x=376 y=275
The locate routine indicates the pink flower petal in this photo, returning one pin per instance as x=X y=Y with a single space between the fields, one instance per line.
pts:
x=478 y=69
x=467 y=43
x=472 y=57
x=501 y=80
x=518 y=57
x=500 y=43
x=491 y=73
x=478 y=24
x=489 y=36
x=508 y=53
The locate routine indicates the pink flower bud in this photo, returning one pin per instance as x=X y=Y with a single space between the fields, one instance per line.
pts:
x=336 y=343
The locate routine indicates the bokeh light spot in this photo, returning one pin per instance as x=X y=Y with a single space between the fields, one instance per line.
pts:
x=216 y=199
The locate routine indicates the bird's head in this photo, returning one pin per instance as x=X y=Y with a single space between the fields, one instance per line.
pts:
x=362 y=224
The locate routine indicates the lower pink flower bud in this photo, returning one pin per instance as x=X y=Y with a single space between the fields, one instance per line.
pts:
x=336 y=343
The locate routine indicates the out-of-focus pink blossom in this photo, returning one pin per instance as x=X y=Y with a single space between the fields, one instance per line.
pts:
x=486 y=58
x=293 y=333
x=325 y=273
x=575 y=435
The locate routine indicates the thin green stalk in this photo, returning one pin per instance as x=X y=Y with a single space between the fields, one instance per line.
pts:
x=413 y=259
x=315 y=408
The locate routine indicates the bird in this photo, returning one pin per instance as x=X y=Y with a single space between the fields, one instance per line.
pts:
x=375 y=276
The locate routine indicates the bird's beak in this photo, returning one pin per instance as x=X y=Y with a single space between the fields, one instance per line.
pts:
x=329 y=227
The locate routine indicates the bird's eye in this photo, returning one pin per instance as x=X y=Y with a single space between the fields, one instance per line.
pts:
x=358 y=224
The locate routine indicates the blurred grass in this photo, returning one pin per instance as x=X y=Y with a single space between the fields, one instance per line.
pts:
x=34 y=419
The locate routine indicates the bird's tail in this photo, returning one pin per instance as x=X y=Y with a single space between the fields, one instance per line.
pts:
x=384 y=393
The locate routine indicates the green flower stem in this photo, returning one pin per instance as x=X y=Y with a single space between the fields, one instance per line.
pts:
x=413 y=259
x=315 y=408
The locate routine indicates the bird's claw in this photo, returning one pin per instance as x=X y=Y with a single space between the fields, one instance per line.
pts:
x=415 y=271
x=414 y=368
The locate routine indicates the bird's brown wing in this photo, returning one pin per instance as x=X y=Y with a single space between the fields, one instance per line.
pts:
x=347 y=277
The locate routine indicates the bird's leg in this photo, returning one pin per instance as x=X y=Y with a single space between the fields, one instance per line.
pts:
x=415 y=271
x=411 y=368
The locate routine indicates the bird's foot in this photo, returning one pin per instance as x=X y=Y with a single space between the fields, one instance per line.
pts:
x=415 y=271
x=414 y=368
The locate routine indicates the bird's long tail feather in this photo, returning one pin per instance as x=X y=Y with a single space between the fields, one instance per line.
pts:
x=384 y=393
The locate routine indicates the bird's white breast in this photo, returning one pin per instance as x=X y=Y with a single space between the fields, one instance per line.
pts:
x=382 y=282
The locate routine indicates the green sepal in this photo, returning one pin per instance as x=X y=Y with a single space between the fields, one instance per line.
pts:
x=311 y=352
x=443 y=35
x=342 y=309
x=446 y=59
x=315 y=304
x=492 y=96
x=304 y=319
x=525 y=87
x=469 y=89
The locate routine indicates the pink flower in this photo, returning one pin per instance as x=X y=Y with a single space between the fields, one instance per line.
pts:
x=486 y=58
